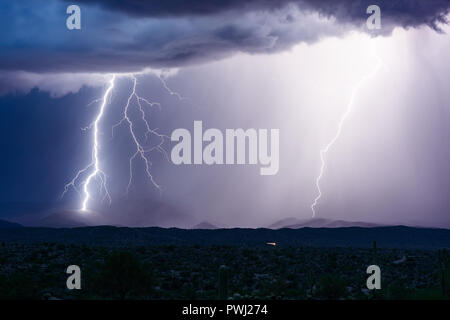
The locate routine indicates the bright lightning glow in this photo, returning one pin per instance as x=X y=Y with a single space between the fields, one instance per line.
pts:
x=324 y=151
x=94 y=169
x=97 y=172
x=140 y=150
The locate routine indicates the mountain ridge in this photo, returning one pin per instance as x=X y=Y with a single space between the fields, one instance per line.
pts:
x=10 y=225
x=295 y=223
x=389 y=237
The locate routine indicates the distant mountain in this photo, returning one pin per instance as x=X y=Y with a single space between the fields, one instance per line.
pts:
x=294 y=223
x=347 y=224
x=7 y=224
x=124 y=212
x=67 y=219
x=284 y=222
x=205 y=225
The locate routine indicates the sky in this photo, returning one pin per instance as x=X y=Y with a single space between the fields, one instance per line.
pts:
x=296 y=66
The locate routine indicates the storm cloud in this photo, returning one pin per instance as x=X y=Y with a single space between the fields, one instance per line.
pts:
x=405 y=13
x=119 y=36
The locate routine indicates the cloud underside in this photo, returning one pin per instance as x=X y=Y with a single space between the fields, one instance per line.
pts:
x=127 y=36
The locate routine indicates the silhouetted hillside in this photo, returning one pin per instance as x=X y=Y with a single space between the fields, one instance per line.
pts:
x=7 y=224
x=393 y=237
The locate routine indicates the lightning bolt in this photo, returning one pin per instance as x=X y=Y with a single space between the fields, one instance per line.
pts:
x=93 y=169
x=141 y=152
x=171 y=92
x=345 y=115
x=97 y=172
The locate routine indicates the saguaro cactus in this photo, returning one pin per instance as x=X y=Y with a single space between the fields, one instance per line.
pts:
x=223 y=282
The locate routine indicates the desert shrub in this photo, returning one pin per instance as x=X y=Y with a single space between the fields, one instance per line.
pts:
x=123 y=275
x=397 y=291
x=331 y=287
x=18 y=286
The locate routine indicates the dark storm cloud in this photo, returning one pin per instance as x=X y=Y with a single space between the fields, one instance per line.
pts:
x=127 y=36
x=405 y=13
x=401 y=13
x=165 y=8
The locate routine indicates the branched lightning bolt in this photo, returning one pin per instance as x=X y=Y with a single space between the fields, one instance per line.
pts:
x=94 y=169
x=140 y=150
x=180 y=97
x=324 y=151
x=97 y=172
x=170 y=91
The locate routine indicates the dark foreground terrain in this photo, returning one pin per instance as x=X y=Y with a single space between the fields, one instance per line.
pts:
x=154 y=263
